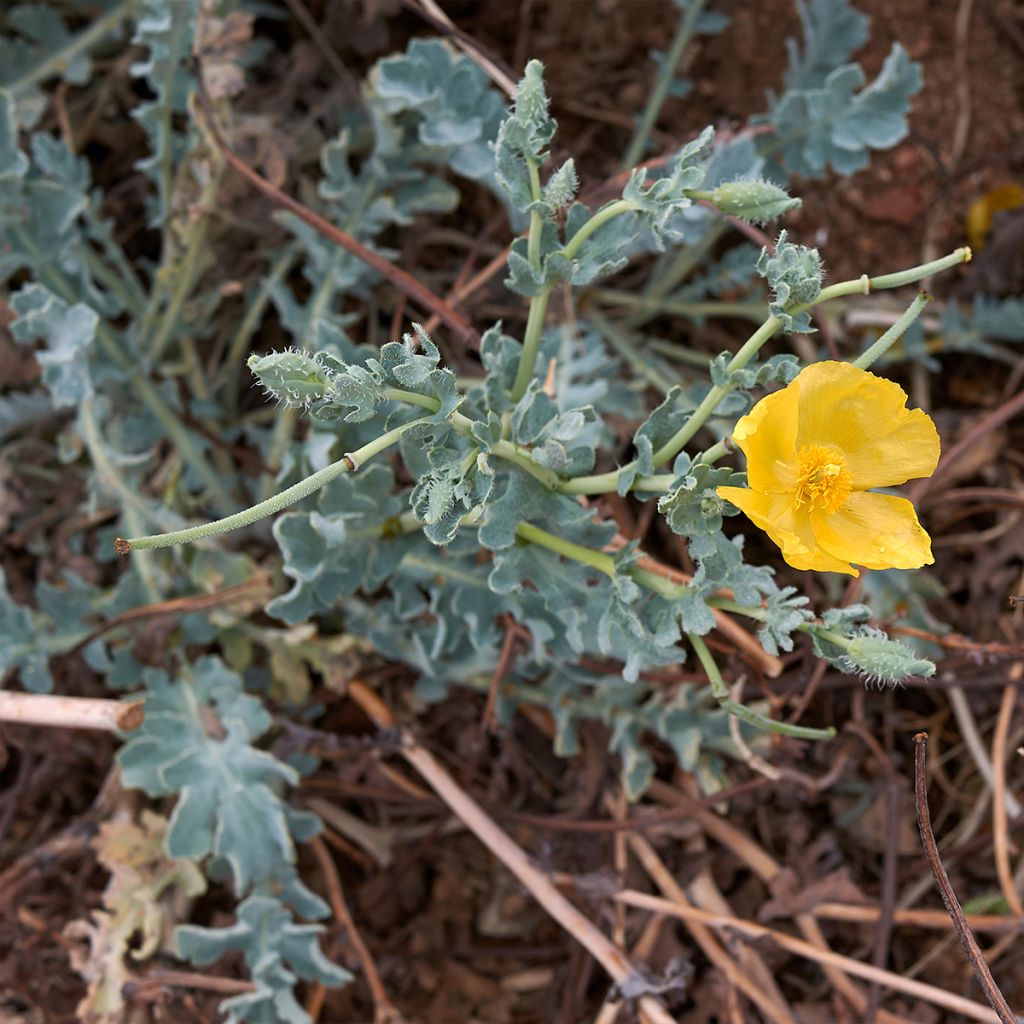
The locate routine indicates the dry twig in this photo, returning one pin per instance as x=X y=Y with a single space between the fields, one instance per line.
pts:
x=825 y=957
x=384 y=1011
x=70 y=712
x=1000 y=830
x=710 y=946
x=767 y=869
x=974 y=955
x=581 y=928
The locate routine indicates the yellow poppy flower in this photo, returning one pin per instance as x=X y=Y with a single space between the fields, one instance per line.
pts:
x=814 y=450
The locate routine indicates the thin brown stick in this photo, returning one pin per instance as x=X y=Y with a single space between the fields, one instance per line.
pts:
x=178 y=606
x=955 y=642
x=190 y=979
x=936 y=920
x=495 y=68
x=70 y=712
x=401 y=279
x=883 y=933
x=709 y=945
x=1000 y=829
x=963 y=930
x=767 y=869
x=384 y=1011
x=580 y=927
x=918 y=989
x=489 y=722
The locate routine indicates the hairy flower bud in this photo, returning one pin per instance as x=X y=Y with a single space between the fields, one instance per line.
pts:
x=882 y=660
x=293 y=377
x=755 y=201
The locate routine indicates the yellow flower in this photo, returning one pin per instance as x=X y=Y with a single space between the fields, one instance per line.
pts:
x=813 y=451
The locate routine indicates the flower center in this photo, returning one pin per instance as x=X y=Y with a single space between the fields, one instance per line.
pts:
x=823 y=481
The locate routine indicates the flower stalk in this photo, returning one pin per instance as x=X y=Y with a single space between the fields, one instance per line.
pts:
x=721 y=694
x=348 y=463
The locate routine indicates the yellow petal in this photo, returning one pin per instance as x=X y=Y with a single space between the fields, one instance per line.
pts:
x=767 y=437
x=884 y=442
x=877 y=531
x=788 y=526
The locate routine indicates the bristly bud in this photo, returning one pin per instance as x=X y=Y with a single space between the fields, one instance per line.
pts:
x=751 y=200
x=523 y=139
x=868 y=653
x=292 y=377
x=794 y=273
x=881 y=660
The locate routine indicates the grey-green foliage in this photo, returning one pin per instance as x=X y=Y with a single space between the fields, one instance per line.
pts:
x=277 y=951
x=427 y=110
x=794 y=274
x=196 y=742
x=447 y=99
x=437 y=544
x=20 y=648
x=165 y=31
x=69 y=332
x=60 y=620
x=36 y=37
x=833 y=32
x=830 y=115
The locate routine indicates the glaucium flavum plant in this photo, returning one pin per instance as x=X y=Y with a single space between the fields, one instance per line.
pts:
x=500 y=464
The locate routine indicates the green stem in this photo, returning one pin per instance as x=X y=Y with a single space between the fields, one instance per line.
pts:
x=703 y=412
x=915 y=274
x=684 y=30
x=577 y=552
x=536 y=220
x=572 y=248
x=721 y=693
x=894 y=333
x=59 y=61
x=349 y=463
x=531 y=342
x=539 y=303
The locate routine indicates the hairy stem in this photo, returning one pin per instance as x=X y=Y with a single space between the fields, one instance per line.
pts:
x=721 y=693
x=572 y=248
x=894 y=333
x=348 y=463
x=531 y=342
x=577 y=552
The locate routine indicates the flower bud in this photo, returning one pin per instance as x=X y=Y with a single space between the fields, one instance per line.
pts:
x=882 y=660
x=756 y=201
x=293 y=377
